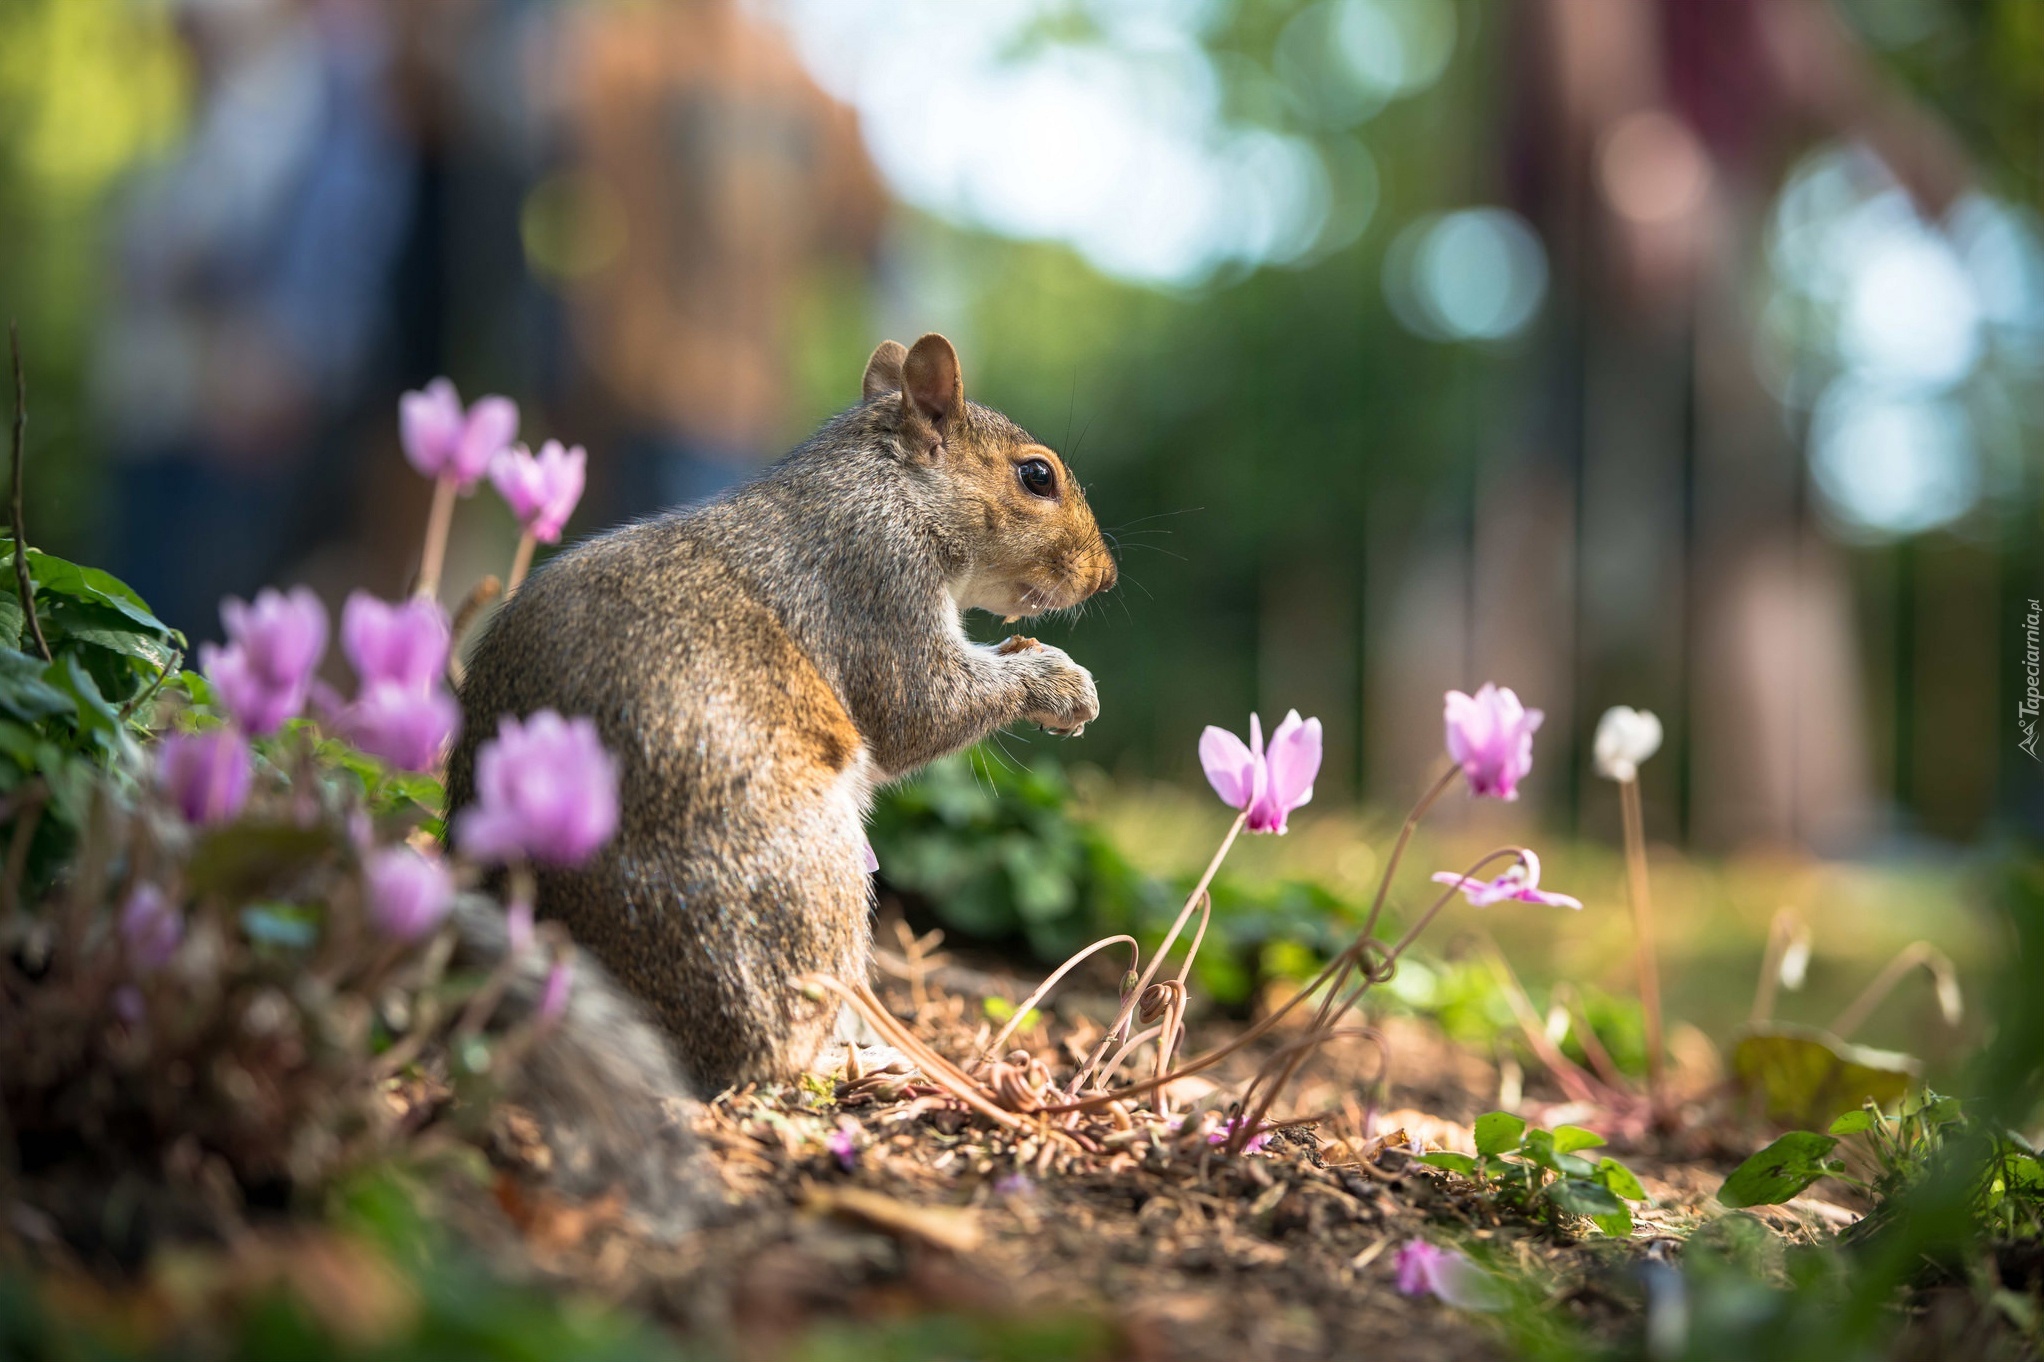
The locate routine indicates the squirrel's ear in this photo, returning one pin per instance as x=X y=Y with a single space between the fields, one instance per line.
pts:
x=883 y=371
x=931 y=386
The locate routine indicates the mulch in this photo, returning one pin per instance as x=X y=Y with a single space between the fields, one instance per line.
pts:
x=880 y=1201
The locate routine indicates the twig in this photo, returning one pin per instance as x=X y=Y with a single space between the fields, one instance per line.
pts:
x=22 y=581
x=128 y=710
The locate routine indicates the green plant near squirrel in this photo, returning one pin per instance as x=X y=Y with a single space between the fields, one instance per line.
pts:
x=1883 y=1156
x=1532 y=1169
x=999 y=849
x=76 y=690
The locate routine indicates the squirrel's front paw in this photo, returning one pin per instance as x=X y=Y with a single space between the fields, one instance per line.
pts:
x=1060 y=695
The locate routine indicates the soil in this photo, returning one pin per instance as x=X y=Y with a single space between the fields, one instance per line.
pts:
x=1152 y=1244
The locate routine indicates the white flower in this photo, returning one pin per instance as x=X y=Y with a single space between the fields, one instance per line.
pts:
x=1625 y=738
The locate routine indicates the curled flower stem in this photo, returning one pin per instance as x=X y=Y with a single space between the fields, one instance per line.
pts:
x=1875 y=993
x=938 y=1069
x=1119 y=1031
x=993 y=1047
x=1783 y=935
x=1331 y=1011
x=438 y=522
x=1647 y=960
x=1174 y=1019
x=521 y=562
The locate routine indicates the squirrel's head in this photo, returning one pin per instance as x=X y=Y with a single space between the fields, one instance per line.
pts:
x=1029 y=540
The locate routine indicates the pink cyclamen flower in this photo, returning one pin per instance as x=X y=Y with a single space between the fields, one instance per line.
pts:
x=541 y=490
x=1269 y=785
x=1490 y=736
x=443 y=441
x=404 y=644
x=264 y=673
x=405 y=726
x=152 y=927
x=1424 y=1269
x=843 y=1147
x=553 y=997
x=545 y=789
x=1519 y=884
x=206 y=775
x=409 y=892
x=1226 y=1131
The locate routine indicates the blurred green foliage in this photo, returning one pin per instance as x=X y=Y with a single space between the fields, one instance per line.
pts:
x=995 y=851
x=88 y=90
x=999 y=853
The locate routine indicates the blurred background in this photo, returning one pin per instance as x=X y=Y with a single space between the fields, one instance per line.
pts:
x=1679 y=353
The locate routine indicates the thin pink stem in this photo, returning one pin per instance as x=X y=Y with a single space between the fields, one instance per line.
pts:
x=1419 y=811
x=1646 y=961
x=438 y=522
x=521 y=562
x=1119 y=1030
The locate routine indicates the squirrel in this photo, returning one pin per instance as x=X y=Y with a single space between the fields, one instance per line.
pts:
x=759 y=664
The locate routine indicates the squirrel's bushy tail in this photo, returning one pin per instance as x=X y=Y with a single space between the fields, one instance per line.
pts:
x=612 y=1104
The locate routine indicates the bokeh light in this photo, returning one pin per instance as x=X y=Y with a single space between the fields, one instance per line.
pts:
x=1477 y=274
x=1120 y=149
x=1905 y=334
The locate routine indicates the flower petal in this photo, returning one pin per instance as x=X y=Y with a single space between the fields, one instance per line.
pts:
x=1294 y=760
x=1230 y=767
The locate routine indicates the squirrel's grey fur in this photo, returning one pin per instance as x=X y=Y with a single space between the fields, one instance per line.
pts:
x=611 y=1104
x=758 y=664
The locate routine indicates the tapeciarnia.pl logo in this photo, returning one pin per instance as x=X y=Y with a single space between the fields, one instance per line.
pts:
x=2033 y=696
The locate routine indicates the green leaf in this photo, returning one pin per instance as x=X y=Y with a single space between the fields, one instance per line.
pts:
x=1931 y=1109
x=1620 y=1179
x=1580 y=1196
x=1618 y=1226
x=60 y=577
x=1453 y=1162
x=1778 y=1172
x=25 y=694
x=1568 y=1139
x=1539 y=1146
x=1853 y=1122
x=1497 y=1132
x=1807 y=1077
x=94 y=715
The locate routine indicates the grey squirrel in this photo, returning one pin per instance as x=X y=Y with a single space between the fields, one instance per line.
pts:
x=759 y=664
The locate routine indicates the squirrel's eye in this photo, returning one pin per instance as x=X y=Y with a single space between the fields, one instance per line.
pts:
x=1037 y=477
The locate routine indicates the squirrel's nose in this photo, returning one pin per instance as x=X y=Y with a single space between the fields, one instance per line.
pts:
x=1109 y=573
